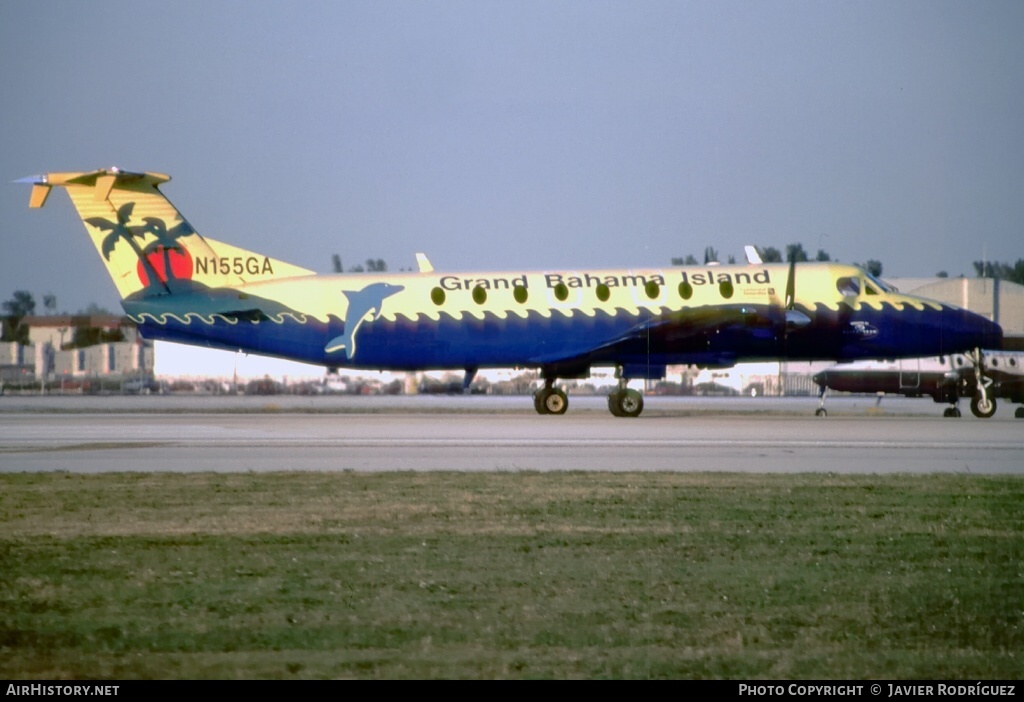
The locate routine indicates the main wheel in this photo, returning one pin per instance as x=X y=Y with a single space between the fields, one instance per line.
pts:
x=613 y=402
x=983 y=408
x=951 y=412
x=626 y=403
x=554 y=401
x=821 y=412
x=538 y=402
x=1019 y=414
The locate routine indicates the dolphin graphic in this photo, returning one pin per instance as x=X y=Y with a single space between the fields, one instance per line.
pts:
x=360 y=303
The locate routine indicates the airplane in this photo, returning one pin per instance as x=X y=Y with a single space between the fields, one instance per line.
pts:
x=943 y=378
x=177 y=285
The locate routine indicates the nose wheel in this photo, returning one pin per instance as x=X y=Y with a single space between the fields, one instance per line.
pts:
x=821 y=411
x=983 y=407
x=983 y=404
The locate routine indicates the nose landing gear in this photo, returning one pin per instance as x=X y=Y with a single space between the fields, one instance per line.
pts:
x=821 y=411
x=983 y=405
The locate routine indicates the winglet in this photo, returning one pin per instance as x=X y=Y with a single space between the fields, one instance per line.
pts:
x=753 y=257
x=423 y=263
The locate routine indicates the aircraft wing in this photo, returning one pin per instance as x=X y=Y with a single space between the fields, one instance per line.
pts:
x=678 y=328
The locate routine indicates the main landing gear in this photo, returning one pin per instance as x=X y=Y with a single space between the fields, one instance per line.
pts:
x=622 y=402
x=550 y=400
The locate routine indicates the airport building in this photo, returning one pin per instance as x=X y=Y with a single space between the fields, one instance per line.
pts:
x=76 y=352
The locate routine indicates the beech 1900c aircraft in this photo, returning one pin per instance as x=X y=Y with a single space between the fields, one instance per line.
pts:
x=180 y=286
x=943 y=378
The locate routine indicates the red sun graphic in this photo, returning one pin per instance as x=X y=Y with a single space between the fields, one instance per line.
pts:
x=177 y=256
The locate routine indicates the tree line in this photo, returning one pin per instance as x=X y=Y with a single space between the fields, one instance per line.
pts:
x=1003 y=271
x=373 y=265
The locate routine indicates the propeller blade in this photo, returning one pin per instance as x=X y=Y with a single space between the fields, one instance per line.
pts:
x=791 y=285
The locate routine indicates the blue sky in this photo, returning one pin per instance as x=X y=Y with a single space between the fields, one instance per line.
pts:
x=522 y=135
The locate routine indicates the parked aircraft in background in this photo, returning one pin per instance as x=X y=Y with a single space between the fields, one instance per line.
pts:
x=944 y=379
x=180 y=286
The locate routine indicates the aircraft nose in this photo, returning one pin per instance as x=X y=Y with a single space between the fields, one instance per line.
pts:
x=964 y=330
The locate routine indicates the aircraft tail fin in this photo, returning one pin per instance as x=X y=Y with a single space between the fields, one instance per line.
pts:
x=145 y=242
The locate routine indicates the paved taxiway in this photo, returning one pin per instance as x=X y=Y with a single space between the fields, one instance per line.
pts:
x=490 y=434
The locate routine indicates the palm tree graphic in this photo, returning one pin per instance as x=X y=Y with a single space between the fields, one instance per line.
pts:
x=167 y=239
x=120 y=230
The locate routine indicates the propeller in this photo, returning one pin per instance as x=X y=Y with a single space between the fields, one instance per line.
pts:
x=795 y=319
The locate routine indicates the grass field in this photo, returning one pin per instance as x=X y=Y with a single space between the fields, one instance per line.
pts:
x=511 y=575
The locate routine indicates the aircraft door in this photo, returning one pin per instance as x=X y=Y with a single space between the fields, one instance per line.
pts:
x=910 y=373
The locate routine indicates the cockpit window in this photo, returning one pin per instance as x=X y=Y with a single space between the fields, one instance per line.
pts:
x=851 y=286
x=879 y=283
x=848 y=286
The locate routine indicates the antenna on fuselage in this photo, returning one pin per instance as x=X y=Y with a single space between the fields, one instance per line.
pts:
x=424 y=263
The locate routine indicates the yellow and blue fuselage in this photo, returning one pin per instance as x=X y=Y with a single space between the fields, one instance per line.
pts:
x=180 y=286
